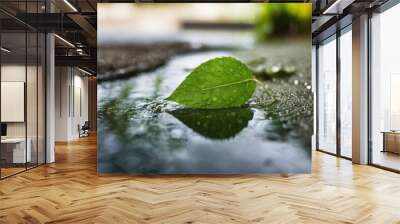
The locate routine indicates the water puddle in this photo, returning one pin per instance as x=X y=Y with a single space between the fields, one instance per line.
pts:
x=139 y=132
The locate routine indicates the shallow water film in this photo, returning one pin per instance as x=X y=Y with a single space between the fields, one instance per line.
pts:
x=141 y=133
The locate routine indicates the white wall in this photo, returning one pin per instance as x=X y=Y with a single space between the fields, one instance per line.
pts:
x=71 y=102
x=12 y=73
x=62 y=82
x=33 y=126
x=80 y=101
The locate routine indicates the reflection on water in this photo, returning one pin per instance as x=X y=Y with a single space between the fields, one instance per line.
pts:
x=141 y=133
x=215 y=124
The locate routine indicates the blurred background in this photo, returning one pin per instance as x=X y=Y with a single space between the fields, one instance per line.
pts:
x=167 y=21
x=150 y=34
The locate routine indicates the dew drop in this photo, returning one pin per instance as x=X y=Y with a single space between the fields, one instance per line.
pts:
x=275 y=68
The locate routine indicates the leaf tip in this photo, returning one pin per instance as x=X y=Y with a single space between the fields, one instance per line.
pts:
x=170 y=97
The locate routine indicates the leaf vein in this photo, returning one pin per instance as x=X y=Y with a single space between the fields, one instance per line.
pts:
x=227 y=84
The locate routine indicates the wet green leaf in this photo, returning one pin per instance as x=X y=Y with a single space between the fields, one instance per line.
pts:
x=215 y=124
x=223 y=82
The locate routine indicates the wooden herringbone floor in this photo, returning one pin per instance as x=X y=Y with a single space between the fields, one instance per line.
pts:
x=70 y=191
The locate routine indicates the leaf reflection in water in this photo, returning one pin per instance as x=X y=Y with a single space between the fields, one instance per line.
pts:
x=215 y=124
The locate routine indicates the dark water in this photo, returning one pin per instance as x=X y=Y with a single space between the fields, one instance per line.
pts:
x=139 y=132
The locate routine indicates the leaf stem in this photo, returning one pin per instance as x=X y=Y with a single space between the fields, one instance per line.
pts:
x=265 y=89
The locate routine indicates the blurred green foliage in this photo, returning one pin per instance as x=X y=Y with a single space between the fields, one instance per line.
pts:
x=283 y=19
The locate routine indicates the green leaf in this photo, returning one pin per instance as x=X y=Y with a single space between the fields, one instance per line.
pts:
x=223 y=82
x=215 y=124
